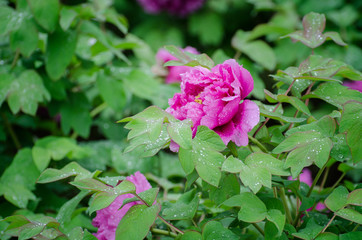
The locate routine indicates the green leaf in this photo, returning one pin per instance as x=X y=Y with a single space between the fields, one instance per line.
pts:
x=184 y=208
x=72 y=169
x=352 y=124
x=215 y=230
x=25 y=38
x=232 y=165
x=311 y=230
x=9 y=19
x=298 y=104
x=65 y=212
x=18 y=180
x=355 y=197
x=5 y=83
x=149 y=196
x=327 y=236
x=258 y=169
x=191 y=235
x=118 y=20
x=181 y=133
x=137 y=222
x=199 y=25
x=307 y=147
x=335 y=94
x=46 y=13
x=252 y=209
x=351 y=236
x=350 y=214
x=258 y=50
x=112 y=91
x=343 y=17
x=278 y=218
x=266 y=112
x=67 y=16
x=26 y=92
x=55 y=148
x=75 y=114
x=229 y=186
x=326 y=126
x=337 y=199
x=59 y=52
x=204 y=155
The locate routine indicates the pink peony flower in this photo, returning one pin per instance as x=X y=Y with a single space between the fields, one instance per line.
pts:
x=174 y=7
x=108 y=218
x=306 y=177
x=173 y=72
x=213 y=98
x=356 y=85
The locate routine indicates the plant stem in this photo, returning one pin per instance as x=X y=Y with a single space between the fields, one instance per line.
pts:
x=11 y=131
x=233 y=149
x=161 y=218
x=261 y=146
x=285 y=204
x=15 y=60
x=163 y=232
x=98 y=109
x=330 y=221
x=258 y=228
x=356 y=227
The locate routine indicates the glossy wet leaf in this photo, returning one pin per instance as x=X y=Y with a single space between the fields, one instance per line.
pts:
x=215 y=230
x=71 y=169
x=311 y=230
x=350 y=214
x=337 y=199
x=25 y=38
x=26 y=91
x=184 y=208
x=351 y=124
x=137 y=222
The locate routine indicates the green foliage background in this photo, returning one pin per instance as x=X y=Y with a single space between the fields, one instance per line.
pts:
x=70 y=69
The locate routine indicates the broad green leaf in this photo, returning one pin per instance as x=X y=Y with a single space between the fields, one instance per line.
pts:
x=184 y=208
x=191 y=235
x=352 y=124
x=59 y=52
x=337 y=199
x=112 y=91
x=46 y=13
x=18 y=180
x=181 y=133
x=252 y=209
x=232 y=165
x=258 y=169
x=75 y=114
x=215 y=230
x=278 y=218
x=149 y=196
x=205 y=155
x=351 y=236
x=355 y=197
x=340 y=150
x=258 y=50
x=298 y=104
x=65 y=212
x=327 y=236
x=279 y=116
x=26 y=92
x=187 y=59
x=345 y=16
x=316 y=151
x=9 y=19
x=5 y=83
x=55 y=148
x=326 y=125
x=335 y=94
x=91 y=184
x=72 y=169
x=137 y=222
x=350 y=214
x=25 y=38
x=311 y=230
x=67 y=16
x=296 y=140
x=228 y=187
x=199 y=25
x=16 y=221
